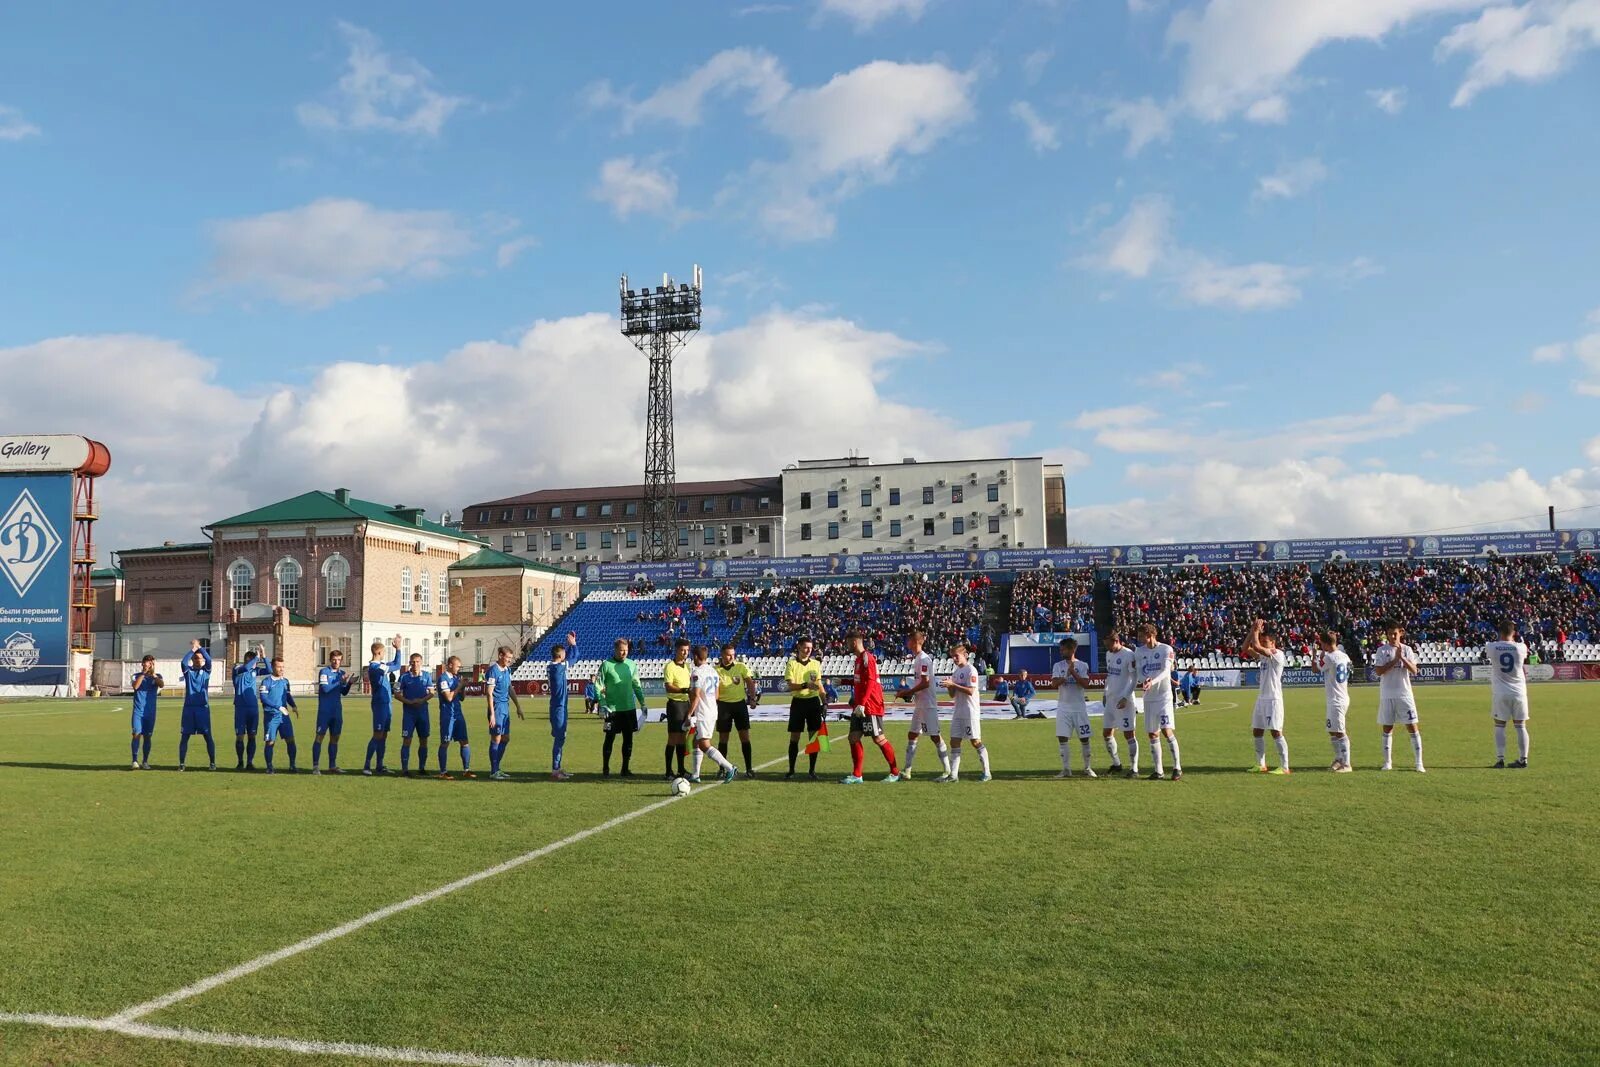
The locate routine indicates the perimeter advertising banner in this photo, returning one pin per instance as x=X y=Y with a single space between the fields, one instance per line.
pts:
x=852 y=565
x=35 y=578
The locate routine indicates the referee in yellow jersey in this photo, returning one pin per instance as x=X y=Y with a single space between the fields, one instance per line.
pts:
x=804 y=675
x=676 y=677
x=736 y=695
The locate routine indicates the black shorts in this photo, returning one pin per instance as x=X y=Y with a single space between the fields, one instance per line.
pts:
x=732 y=715
x=868 y=725
x=805 y=713
x=622 y=722
x=677 y=716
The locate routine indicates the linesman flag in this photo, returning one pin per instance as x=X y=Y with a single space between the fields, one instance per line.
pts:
x=819 y=741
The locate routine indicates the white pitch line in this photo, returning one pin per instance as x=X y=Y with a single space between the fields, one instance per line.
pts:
x=384 y=1053
x=249 y=967
x=58 y=713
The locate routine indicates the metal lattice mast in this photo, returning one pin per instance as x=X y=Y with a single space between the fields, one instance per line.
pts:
x=658 y=323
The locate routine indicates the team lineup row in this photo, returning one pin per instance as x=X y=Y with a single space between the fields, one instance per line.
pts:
x=706 y=698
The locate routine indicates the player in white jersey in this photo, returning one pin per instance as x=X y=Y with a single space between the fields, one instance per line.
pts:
x=1508 y=686
x=924 y=706
x=703 y=684
x=1334 y=666
x=965 y=720
x=1261 y=647
x=1153 y=660
x=1070 y=677
x=1122 y=704
x=1395 y=662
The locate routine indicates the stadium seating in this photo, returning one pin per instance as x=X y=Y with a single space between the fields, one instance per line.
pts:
x=1053 y=601
x=1207 y=611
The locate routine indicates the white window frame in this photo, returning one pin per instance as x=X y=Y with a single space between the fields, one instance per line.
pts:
x=405 y=590
x=335 y=582
x=236 y=587
x=425 y=592
x=279 y=571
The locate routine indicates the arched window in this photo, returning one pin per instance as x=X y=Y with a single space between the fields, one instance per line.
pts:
x=203 y=597
x=287 y=576
x=242 y=584
x=425 y=592
x=336 y=580
x=405 y=589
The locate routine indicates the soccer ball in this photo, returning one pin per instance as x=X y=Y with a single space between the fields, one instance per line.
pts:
x=681 y=787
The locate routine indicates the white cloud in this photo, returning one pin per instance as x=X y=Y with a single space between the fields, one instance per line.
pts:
x=630 y=186
x=750 y=72
x=1144 y=121
x=1584 y=352
x=13 y=127
x=338 y=429
x=1529 y=402
x=1042 y=136
x=1390 y=101
x=1269 y=110
x=1140 y=241
x=331 y=250
x=1592 y=450
x=1244 y=286
x=1291 y=179
x=380 y=90
x=868 y=13
x=511 y=251
x=1034 y=64
x=1527 y=42
x=1551 y=353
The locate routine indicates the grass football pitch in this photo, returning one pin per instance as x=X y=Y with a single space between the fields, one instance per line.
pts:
x=1230 y=917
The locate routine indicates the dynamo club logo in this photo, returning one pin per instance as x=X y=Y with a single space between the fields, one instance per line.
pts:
x=19 y=653
x=27 y=542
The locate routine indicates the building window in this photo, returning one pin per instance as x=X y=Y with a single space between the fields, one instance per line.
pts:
x=894 y=498
x=866 y=529
x=335 y=580
x=958 y=525
x=994 y=524
x=764 y=504
x=581 y=511
x=708 y=506
x=605 y=539
x=833 y=531
x=529 y=514
x=736 y=503
x=894 y=527
x=480 y=601
x=425 y=592
x=957 y=495
x=633 y=538
x=710 y=536
x=833 y=499
x=405 y=589
x=805 y=531
x=866 y=498
x=555 y=512
x=505 y=516
x=737 y=534
x=287 y=576
x=557 y=539
x=202 y=602
x=683 y=535
x=444 y=593
x=631 y=508
x=993 y=492
x=483 y=516
x=605 y=511
x=683 y=507
x=805 y=501
x=505 y=543
x=242 y=584
x=927 y=527
x=582 y=540
x=764 y=534
x=927 y=494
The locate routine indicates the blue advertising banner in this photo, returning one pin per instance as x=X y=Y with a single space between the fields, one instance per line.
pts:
x=851 y=565
x=35 y=578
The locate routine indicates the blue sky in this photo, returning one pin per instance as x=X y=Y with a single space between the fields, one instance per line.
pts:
x=1249 y=268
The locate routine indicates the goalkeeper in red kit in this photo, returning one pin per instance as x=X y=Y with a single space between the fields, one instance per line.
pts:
x=866 y=712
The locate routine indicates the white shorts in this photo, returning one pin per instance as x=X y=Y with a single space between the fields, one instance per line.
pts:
x=704 y=726
x=1510 y=708
x=1397 y=711
x=965 y=726
x=1158 y=716
x=1126 y=720
x=1072 y=722
x=1336 y=714
x=925 y=721
x=1268 y=715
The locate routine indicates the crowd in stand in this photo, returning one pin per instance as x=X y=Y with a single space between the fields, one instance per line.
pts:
x=1051 y=601
x=1199 y=610
x=949 y=607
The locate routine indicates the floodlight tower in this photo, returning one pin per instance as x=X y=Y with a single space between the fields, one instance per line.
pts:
x=659 y=323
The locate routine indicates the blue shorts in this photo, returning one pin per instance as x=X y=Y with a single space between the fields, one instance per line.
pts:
x=330 y=721
x=279 y=725
x=452 y=727
x=144 y=722
x=246 y=716
x=382 y=720
x=416 y=720
x=558 y=722
x=502 y=725
x=197 y=720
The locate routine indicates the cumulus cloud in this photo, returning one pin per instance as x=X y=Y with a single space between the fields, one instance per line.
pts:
x=13 y=126
x=1291 y=179
x=1042 y=136
x=1390 y=101
x=1144 y=121
x=630 y=186
x=1141 y=240
x=868 y=13
x=380 y=90
x=1527 y=42
x=1583 y=353
x=331 y=250
x=1034 y=64
x=172 y=425
x=511 y=251
x=752 y=73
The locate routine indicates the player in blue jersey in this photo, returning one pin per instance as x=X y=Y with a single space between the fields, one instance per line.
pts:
x=416 y=690
x=448 y=683
x=196 y=704
x=561 y=657
x=333 y=685
x=247 y=706
x=382 y=690
x=146 y=686
x=501 y=698
x=1022 y=691
x=276 y=703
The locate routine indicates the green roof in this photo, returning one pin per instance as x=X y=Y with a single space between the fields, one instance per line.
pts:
x=101 y=574
x=486 y=559
x=193 y=546
x=318 y=506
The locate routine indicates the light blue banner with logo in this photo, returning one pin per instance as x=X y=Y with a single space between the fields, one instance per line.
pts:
x=35 y=578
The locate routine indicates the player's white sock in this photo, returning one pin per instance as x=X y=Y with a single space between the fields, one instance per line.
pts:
x=1499 y=740
x=1416 y=746
x=1341 y=748
x=1133 y=754
x=719 y=759
x=1085 y=755
x=699 y=759
x=1155 y=757
x=955 y=763
x=983 y=759
x=1177 y=760
x=1388 y=748
x=1333 y=742
x=1283 y=751
x=1261 y=751
x=1522 y=739
x=1111 y=747
x=1066 y=753
x=911 y=754
x=944 y=754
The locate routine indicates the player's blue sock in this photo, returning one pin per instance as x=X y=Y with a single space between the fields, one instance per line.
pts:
x=495 y=749
x=557 y=746
x=372 y=748
x=333 y=754
x=316 y=754
x=291 y=754
x=238 y=748
x=466 y=757
x=146 y=748
x=133 y=749
x=422 y=758
x=270 y=747
x=383 y=750
x=183 y=748
x=405 y=755
x=444 y=756
x=211 y=748
x=250 y=749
